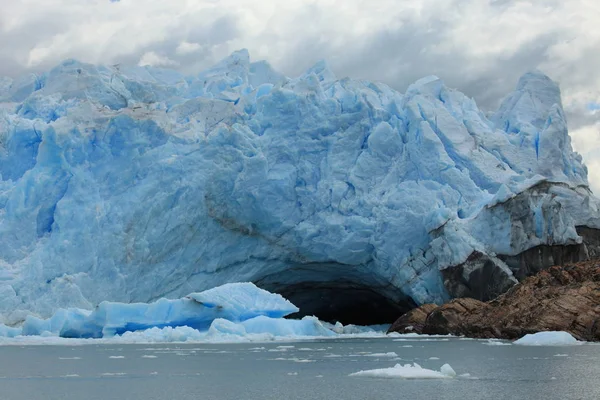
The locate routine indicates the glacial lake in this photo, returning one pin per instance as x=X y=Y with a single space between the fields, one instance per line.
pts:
x=297 y=371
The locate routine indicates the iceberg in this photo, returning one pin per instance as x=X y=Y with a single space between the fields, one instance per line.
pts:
x=127 y=184
x=408 y=371
x=549 y=338
x=234 y=302
x=264 y=328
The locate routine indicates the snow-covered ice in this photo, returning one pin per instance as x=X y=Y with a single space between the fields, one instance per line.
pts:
x=408 y=371
x=131 y=184
x=550 y=338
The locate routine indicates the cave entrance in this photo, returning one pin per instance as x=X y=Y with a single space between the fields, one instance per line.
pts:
x=348 y=304
x=334 y=298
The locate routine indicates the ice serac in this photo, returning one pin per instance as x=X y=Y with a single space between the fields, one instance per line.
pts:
x=129 y=184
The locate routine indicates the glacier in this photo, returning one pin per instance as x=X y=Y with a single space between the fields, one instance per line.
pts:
x=130 y=184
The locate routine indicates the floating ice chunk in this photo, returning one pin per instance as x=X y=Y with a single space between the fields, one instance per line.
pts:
x=273 y=327
x=408 y=371
x=549 y=338
x=241 y=301
x=117 y=357
x=307 y=326
x=233 y=302
x=447 y=370
x=221 y=330
x=7 y=331
x=294 y=359
x=496 y=342
x=351 y=329
x=222 y=327
x=162 y=335
x=389 y=354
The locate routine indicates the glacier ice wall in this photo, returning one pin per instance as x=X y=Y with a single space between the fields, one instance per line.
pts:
x=134 y=183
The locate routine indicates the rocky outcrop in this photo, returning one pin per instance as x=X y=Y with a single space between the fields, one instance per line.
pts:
x=481 y=277
x=540 y=236
x=413 y=320
x=563 y=298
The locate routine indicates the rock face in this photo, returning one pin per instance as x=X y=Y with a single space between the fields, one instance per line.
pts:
x=414 y=320
x=129 y=184
x=563 y=298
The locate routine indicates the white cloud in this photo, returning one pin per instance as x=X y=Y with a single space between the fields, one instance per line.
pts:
x=187 y=48
x=586 y=141
x=154 y=60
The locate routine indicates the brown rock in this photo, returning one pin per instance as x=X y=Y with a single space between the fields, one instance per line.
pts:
x=413 y=320
x=560 y=298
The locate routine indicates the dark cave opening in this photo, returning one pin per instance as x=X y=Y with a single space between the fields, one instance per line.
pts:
x=345 y=302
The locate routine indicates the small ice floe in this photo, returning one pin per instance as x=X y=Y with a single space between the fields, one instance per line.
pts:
x=434 y=358
x=277 y=350
x=113 y=373
x=550 y=338
x=389 y=354
x=69 y=358
x=148 y=356
x=292 y=373
x=117 y=357
x=70 y=376
x=407 y=371
x=298 y=360
x=561 y=355
x=496 y=342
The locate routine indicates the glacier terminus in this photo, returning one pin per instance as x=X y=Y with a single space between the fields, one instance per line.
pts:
x=132 y=184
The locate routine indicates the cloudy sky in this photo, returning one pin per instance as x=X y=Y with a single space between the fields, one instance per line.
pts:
x=478 y=46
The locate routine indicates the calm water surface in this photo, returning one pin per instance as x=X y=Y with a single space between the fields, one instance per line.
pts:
x=308 y=370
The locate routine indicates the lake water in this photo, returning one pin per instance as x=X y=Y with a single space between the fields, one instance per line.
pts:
x=299 y=370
